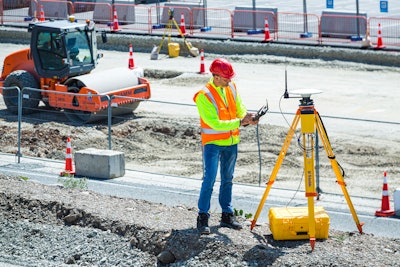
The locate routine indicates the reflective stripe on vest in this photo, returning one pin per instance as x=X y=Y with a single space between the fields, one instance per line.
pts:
x=211 y=97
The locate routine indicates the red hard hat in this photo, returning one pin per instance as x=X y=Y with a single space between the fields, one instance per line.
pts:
x=223 y=68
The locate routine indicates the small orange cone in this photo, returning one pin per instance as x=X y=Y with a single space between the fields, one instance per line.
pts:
x=182 y=26
x=379 y=45
x=267 y=36
x=385 y=207
x=115 y=22
x=131 y=62
x=68 y=160
x=202 y=67
x=41 y=17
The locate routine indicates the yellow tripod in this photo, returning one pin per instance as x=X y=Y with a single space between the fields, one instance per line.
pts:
x=168 y=29
x=310 y=120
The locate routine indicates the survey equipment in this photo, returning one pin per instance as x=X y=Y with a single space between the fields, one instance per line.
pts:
x=168 y=29
x=310 y=123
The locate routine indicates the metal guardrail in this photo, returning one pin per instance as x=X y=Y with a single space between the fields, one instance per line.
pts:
x=15 y=101
x=42 y=114
x=216 y=23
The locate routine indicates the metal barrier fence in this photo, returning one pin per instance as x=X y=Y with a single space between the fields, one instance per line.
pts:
x=52 y=9
x=100 y=13
x=390 y=30
x=162 y=21
x=251 y=24
x=299 y=27
x=241 y=23
x=104 y=134
x=41 y=114
x=214 y=22
x=25 y=105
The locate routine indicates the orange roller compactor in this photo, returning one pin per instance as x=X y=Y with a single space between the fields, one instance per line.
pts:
x=60 y=60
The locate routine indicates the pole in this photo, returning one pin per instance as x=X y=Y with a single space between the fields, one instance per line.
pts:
x=158 y=11
x=19 y=122
x=305 y=16
x=109 y=120
x=254 y=15
x=205 y=13
x=358 y=19
x=305 y=34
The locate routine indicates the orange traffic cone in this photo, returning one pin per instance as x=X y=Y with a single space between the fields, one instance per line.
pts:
x=131 y=63
x=379 y=45
x=68 y=160
x=115 y=22
x=267 y=36
x=41 y=16
x=182 y=26
x=202 y=67
x=385 y=207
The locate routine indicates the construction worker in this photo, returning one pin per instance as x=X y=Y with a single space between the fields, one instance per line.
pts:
x=221 y=112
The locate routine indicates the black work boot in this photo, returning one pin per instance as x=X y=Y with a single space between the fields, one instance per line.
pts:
x=229 y=220
x=202 y=224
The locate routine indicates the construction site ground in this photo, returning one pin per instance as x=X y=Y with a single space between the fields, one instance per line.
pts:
x=359 y=110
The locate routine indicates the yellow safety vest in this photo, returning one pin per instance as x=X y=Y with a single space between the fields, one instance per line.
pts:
x=225 y=112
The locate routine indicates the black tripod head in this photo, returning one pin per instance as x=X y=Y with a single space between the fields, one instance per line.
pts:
x=171 y=13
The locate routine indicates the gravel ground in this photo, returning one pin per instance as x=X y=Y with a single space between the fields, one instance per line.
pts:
x=55 y=226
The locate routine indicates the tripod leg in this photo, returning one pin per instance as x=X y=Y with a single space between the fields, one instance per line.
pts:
x=188 y=45
x=162 y=40
x=169 y=30
x=278 y=164
x=336 y=169
x=309 y=181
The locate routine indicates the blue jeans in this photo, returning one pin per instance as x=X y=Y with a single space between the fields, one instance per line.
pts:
x=212 y=156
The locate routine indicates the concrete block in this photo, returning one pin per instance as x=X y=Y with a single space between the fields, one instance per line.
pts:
x=244 y=19
x=126 y=14
x=104 y=13
x=397 y=201
x=52 y=10
x=336 y=24
x=97 y=163
x=185 y=8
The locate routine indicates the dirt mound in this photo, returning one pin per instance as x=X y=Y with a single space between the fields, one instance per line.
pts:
x=147 y=234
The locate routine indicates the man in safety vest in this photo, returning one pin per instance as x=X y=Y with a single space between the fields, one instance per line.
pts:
x=222 y=112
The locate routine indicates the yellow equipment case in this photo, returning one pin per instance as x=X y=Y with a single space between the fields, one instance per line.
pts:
x=291 y=223
x=173 y=49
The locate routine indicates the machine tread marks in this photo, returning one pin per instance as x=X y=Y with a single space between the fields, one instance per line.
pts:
x=21 y=79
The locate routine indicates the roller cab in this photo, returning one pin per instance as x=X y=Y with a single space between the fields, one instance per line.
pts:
x=63 y=49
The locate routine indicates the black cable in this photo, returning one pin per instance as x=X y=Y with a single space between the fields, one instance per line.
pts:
x=323 y=127
x=259 y=155
x=261 y=112
x=297 y=190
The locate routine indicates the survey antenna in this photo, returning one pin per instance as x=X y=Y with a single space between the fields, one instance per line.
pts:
x=310 y=122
